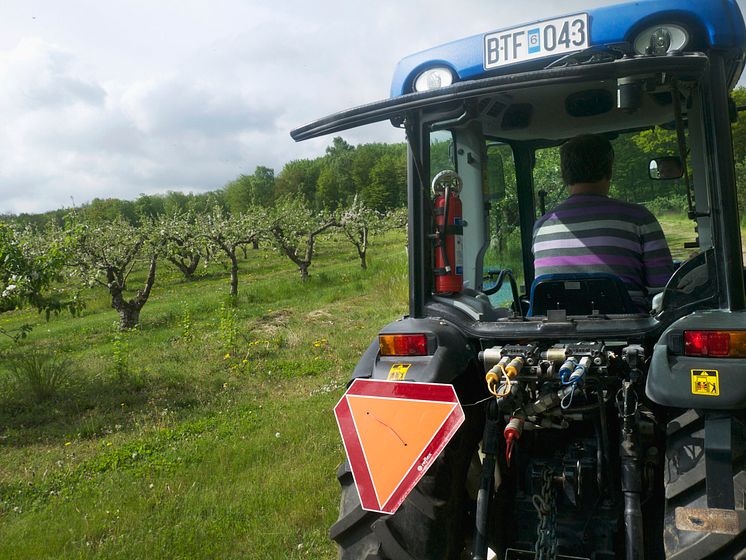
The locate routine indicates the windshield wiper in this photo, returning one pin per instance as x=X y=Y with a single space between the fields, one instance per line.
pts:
x=592 y=55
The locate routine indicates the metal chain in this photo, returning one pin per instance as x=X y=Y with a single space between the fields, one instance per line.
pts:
x=546 y=508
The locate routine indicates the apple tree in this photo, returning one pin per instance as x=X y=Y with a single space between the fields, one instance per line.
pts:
x=31 y=266
x=227 y=233
x=357 y=223
x=294 y=228
x=106 y=253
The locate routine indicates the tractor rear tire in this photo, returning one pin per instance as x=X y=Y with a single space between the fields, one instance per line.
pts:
x=429 y=525
x=685 y=486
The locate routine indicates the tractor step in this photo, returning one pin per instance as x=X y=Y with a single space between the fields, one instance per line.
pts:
x=710 y=520
x=515 y=554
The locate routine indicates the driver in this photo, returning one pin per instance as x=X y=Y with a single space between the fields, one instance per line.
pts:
x=591 y=232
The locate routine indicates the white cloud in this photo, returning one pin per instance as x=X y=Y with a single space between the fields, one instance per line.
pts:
x=65 y=135
x=173 y=106
x=38 y=76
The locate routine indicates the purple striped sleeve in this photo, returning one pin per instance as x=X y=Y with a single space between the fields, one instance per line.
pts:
x=621 y=212
x=585 y=260
x=656 y=256
x=600 y=241
x=654 y=245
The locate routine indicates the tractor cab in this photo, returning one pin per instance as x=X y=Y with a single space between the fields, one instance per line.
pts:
x=571 y=383
x=507 y=158
x=495 y=108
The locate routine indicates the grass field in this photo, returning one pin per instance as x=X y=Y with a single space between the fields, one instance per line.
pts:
x=208 y=432
x=678 y=230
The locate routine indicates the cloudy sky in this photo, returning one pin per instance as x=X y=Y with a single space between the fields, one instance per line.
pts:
x=113 y=99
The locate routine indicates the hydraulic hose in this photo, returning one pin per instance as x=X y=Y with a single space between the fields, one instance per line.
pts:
x=487 y=481
x=629 y=451
x=604 y=448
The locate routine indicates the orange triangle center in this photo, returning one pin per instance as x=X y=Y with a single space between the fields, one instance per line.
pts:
x=393 y=434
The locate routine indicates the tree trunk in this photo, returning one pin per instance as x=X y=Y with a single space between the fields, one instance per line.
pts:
x=129 y=311
x=255 y=243
x=129 y=317
x=363 y=249
x=306 y=262
x=143 y=295
x=234 y=275
x=187 y=269
x=192 y=268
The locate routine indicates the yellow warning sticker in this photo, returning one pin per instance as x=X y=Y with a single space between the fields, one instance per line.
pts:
x=398 y=372
x=705 y=382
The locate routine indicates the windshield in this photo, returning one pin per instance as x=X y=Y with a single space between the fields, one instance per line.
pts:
x=631 y=182
x=662 y=237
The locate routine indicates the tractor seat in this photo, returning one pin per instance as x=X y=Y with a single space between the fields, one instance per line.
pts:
x=581 y=294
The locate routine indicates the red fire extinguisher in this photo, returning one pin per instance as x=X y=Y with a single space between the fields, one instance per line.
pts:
x=449 y=248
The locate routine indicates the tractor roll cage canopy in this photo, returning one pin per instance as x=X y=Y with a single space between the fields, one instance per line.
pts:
x=592 y=38
x=684 y=67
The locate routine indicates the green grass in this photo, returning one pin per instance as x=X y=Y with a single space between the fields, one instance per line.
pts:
x=678 y=230
x=194 y=437
x=182 y=440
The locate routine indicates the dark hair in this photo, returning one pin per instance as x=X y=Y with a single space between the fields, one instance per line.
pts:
x=586 y=159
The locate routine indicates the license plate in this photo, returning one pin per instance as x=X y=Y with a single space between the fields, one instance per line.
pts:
x=538 y=40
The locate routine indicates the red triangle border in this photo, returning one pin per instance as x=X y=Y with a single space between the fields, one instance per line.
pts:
x=353 y=448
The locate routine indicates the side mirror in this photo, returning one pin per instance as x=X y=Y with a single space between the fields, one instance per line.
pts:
x=666 y=167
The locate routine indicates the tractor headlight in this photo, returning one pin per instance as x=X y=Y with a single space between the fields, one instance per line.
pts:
x=433 y=78
x=661 y=39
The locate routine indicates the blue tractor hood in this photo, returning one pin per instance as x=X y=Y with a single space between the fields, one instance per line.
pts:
x=711 y=24
x=714 y=24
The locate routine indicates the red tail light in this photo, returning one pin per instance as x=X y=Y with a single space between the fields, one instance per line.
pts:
x=403 y=344
x=715 y=344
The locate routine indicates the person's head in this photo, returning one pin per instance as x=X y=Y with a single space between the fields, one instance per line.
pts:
x=586 y=163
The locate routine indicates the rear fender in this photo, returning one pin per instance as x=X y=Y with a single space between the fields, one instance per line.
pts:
x=451 y=354
x=672 y=377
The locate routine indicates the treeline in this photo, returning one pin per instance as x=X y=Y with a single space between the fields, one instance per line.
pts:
x=375 y=174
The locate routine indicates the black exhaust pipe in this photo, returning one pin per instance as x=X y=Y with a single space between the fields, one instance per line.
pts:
x=629 y=451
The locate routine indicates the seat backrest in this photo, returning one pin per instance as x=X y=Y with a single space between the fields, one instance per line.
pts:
x=581 y=294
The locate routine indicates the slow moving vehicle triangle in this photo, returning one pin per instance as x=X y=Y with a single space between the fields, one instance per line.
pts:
x=392 y=432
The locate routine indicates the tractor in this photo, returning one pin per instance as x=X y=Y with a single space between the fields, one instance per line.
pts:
x=581 y=427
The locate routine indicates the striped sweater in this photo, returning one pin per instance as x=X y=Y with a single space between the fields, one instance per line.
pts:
x=595 y=233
